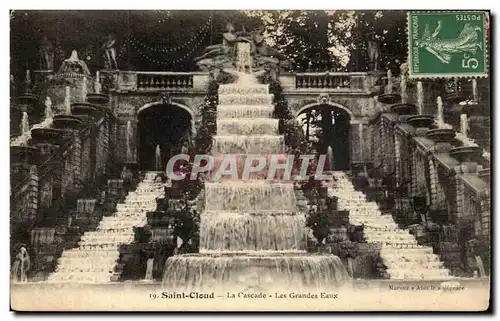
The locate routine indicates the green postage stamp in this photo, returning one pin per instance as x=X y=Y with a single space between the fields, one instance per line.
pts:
x=448 y=44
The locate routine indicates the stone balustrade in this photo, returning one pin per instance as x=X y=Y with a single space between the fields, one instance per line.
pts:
x=144 y=81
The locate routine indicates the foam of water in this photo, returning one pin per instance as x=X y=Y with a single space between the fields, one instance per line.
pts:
x=251 y=234
x=400 y=252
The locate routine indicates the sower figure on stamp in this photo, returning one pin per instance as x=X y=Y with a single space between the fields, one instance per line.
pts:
x=443 y=49
x=110 y=52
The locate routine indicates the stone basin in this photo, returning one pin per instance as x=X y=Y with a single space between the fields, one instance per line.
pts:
x=466 y=153
x=24 y=154
x=46 y=135
x=27 y=98
x=100 y=99
x=454 y=98
x=404 y=109
x=86 y=109
x=66 y=122
x=421 y=121
x=441 y=134
x=389 y=98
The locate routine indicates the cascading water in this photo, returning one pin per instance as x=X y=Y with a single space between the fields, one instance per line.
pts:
x=464 y=124
x=67 y=100
x=84 y=89
x=94 y=260
x=403 y=85
x=49 y=115
x=158 y=158
x=251 y=234
x=475 y=97
x=97 y=83
x=400 y=252
x=440 y=113
x=329 y=157
x=128 y=137
x=22 y=139
x=420 y=98
x=244 y=59
x=389 y=82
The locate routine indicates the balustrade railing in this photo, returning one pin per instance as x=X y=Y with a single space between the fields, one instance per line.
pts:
x=323 y=80
x=164 y=80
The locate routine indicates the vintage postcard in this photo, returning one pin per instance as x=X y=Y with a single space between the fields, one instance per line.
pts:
x=275 y=160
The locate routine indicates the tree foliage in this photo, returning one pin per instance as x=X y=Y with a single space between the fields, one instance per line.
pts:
x=335 y=40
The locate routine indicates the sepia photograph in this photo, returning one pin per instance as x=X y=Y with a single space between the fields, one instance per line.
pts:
x=250 y=160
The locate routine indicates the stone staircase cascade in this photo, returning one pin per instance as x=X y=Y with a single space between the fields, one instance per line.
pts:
x=94 y=259
x=401 y=254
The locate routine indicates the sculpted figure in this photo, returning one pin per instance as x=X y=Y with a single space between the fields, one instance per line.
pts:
x=373 y=51
x=46 y=51
x=109 y=48
x=229 y=39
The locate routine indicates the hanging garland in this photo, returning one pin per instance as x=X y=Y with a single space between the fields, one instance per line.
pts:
x=167 y=62
x=200 y=32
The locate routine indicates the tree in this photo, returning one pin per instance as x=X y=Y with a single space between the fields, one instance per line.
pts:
x=336 y=41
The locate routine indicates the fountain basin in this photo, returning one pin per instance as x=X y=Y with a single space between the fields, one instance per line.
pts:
x=441 y=134
x=258 y=271
x=421 y=121
x=86 y=109
x=95 y=98
x=66 y=122
x=27 y=98
x=389 y=98
x=46 y=135
x=404 y=109
x=466 y=153
x=454 y=98
x=24 y=154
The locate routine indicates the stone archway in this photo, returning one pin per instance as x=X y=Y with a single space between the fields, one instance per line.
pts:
x=164 y=125
x=328 y=125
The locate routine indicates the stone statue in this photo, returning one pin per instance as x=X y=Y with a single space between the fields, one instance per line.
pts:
x=21 y=266
x=46 y=51
x=229 y=39
x=74 y=65
x=110 y=52
x=373 y=51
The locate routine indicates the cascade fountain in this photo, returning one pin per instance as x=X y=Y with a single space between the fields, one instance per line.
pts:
x=464 y=124
x=22 y=140
x=420 y=98
x=128 y=137
x=49 y=115
x=97 y=83
x=158 y=158
x=440 y=113
x=67 y=101
x=403 y=85
x=475 y=96
x=399 y=250
x=252 y=237
x=389 y=82
x=94 y=260
x=84 y=89
x=329 y=157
